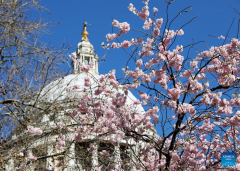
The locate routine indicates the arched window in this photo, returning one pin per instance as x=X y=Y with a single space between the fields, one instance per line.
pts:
x=105 y=155
x=83 y=157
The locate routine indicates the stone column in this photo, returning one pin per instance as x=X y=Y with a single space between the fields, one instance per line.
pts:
x=96 y=66
x=75 y=68
x=117 y=157
x=95 y=157
x=71 y=157
x=49 y=163
x=83 y=58
x=91 y=60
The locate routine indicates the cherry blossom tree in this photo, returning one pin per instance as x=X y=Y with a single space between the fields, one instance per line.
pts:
x=191 y=105
x=196 y=100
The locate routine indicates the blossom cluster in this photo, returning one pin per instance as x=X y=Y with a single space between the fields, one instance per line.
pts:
x=34 y=130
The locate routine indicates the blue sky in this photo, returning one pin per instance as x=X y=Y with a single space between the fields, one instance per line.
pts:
x=214 y=18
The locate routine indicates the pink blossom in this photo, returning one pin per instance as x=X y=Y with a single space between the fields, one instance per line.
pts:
x=115 y=23
x=32 y=158
x=59 y=164
x=155 y=10
x=33 y=130
x=87 y=81
x=144 y=96
x=68 y=88
x=179 y=32
x=174 y=93
x=84 y=68
x=74 y=113
x=70 y=129
x=52 y=169
x=111 y=36
x=91 y=64
x=78 y=137
x=156 y=31
x=153 y=61
x=137 y=102
x=139 y=62
x=76 y=87
x=193 y=86
x=147 y=24
x=104 y=153
x=22 y=166
x=114 y=45
x=61 y=142
x=119 y=100
x=159 y=22
x=147 y=78
x=234 y=43
x=186 y=73
x=114 y=83
x=132 y=8
x=20 y=154
x=160 y=57
x=215 y=100
x=124 y=27
x=97 y=104
x=144 y=13
x=205 y=100
x=92 y=148
x=140 y=41
x=73 y=56
x=169 y=34
x=82 y=106
x=149 y=125
x=126 y=44
x=98 y=91
x=237 y=102
x=166 y=42
x=166 y=103
x=175 y=156
x=111 y=75
x=98 y=168
x=185 y=108
x=193 y=64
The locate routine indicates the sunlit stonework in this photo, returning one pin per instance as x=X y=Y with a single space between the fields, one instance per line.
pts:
x=85 y=53
x=76 y=155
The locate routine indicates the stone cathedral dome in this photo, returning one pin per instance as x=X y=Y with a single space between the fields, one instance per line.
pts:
x=76 y=156
x=58 y=90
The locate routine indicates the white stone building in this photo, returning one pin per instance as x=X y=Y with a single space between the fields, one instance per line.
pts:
x=76 y=155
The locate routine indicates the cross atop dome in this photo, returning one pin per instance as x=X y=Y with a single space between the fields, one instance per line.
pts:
x=85 y=53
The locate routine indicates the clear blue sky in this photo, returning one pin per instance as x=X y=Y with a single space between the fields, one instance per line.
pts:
x=214 y=18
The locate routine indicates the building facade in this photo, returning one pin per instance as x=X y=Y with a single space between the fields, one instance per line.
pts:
x=59 y=126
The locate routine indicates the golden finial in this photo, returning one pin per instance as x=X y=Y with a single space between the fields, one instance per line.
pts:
x=84 y=32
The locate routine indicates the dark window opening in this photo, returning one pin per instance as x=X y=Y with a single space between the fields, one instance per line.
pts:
x=87 y=59
x=125 y=158
x=39 y=152
x=83 y=157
